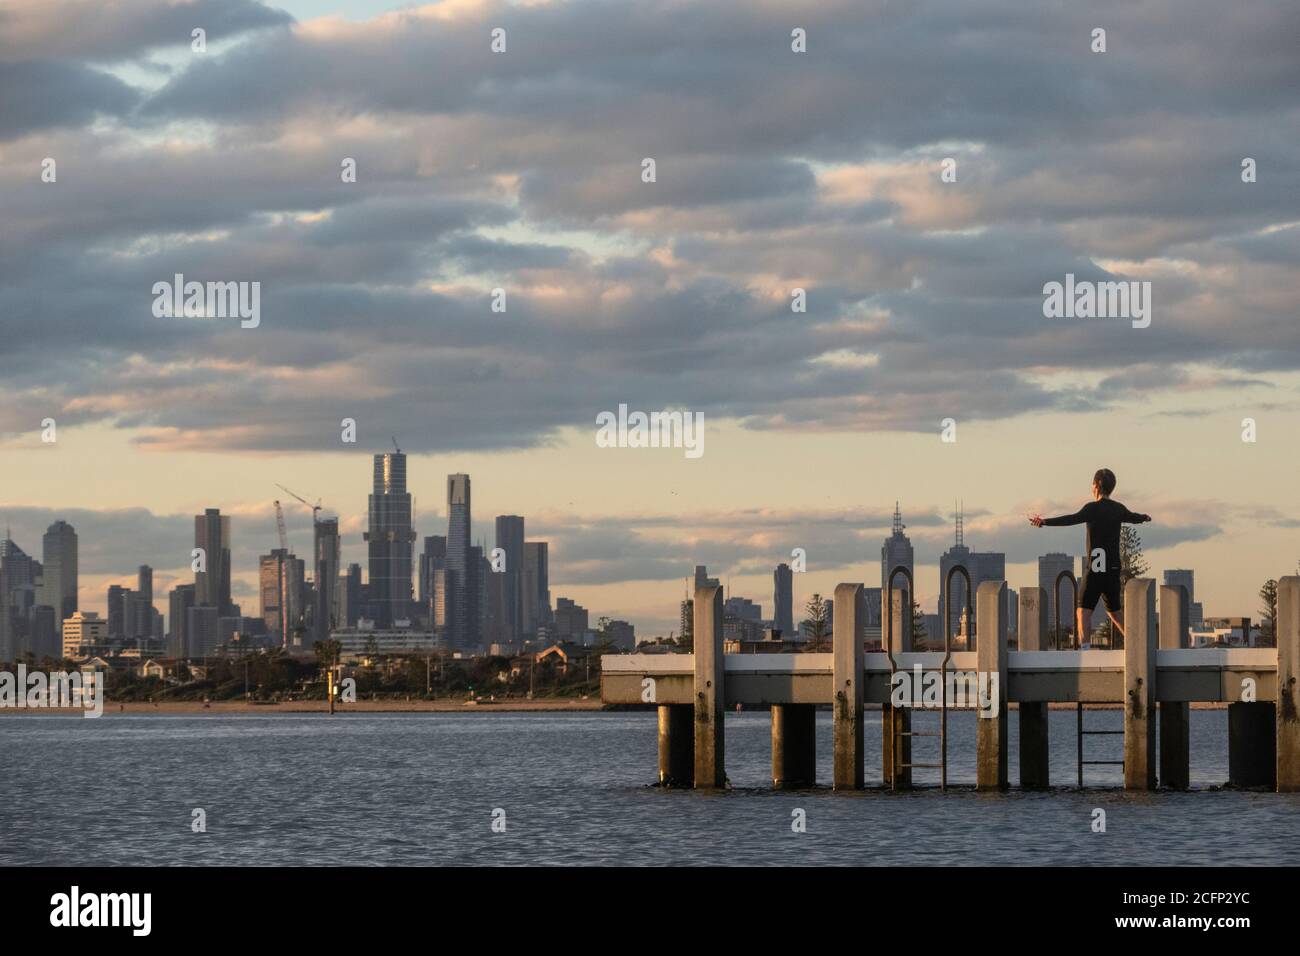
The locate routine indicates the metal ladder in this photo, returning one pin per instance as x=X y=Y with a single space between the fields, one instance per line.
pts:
x=1091 y=733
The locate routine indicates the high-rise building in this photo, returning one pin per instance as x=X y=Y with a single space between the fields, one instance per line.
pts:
x=510 y=595
x=293 y=603
x=981 y=565
x=19 y=575
x=44 y=633
x=391 y=540
x=212 y=537
x=896 y=552
x=570 y=620
x=270 y=574
x=1187 y=579
x=432 y=558
x=352 y=591
x=59 y=554
x=179 y=602
x=459 y=603
x=537 y=588
x=325 y=613
x=144 y=583
x=202 y=631
x=783 y=600
x=82 y=631
x=1050 y=567
x=117 y=601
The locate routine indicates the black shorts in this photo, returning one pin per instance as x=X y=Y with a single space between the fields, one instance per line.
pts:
x=1096 y=585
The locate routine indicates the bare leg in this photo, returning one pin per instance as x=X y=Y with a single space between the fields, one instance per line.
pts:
x=1080 y=626
x=1117 y=618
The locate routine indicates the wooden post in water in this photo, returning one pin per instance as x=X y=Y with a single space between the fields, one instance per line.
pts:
x=896 y=722
x=1175 y=742
x=1140 y=636
x=991 y=663
x=794 y=745
x=676 y=745
x=1288 y=684
x=846 y=685
x=710 y=690
x=1032 y=636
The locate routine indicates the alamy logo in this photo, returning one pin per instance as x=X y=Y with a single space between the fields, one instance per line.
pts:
x=103 y=909
x=212 y=300
x=1101 y=300
x=57 y=689
x=656 y=430
x=921 y=688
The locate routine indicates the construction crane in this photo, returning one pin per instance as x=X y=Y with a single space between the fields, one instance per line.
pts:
x=315 y=508
x=279 y=524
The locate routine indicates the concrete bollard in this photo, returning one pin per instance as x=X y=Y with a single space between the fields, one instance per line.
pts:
x=710 y=690
x=676 y=745
x=896 y=722
x=1175 y=719
x=991 y=660
x=1288 y=685
x=847 y=677
x=1140 y=636
x=1034 y=750
x=794 y=745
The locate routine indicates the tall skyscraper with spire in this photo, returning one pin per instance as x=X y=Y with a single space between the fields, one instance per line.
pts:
x=980 y=565
x=896 y=551
x=391 y=541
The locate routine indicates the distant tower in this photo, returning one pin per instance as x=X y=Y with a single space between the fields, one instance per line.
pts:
x=390 y=539
x=960 y=537
x=896 y=551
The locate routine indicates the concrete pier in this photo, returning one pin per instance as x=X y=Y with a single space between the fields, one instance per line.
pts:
x=1175 y=717
x=896 y=722
x=710 y=690
x=991 y=660
x=847 y=676
x=794 y=745
x=1032 y=636
x=676 y=745
x=1287 y=735
x=1140 y=642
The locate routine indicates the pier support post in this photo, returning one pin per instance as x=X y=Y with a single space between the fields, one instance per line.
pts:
x=847 y=676
x=676 y=745
x=1032 y=636
x=1288 y=684
x=1252 y=754
x=1140 y=636
x=991 y=660
x=895 y=722
x=794 y=745
x=1175 y=719
x=710 y=690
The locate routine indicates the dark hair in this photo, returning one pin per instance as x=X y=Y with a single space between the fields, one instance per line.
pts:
x=1104 y=479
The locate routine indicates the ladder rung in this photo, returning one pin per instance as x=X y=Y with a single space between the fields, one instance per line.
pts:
x=1096 y=763
x=920 y=733
x=928 y=766
x=1086 y=732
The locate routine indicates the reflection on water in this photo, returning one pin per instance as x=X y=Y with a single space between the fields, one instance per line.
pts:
x=419 y=789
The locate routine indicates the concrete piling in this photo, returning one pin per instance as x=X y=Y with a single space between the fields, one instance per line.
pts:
x=847 y=678
x=1140 y=637
x=710 y=690
x=1287 y=735
x=1032 y=636
x=1175 y=718
x=1252 y=742
x=896 y=722
x=991 y=662
x=676 y=745
x=794 y=745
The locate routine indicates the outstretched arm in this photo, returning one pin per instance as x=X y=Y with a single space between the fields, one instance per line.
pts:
x=1063 y=520
x=1132 y=517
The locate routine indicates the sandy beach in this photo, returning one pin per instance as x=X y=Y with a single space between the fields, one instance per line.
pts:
x=320 y=706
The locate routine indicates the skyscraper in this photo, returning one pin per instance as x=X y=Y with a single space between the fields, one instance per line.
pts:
x=326 y=571
x=179 y=602
x=537 y=587
x=391 y=541
x=1187 y=579
x=212 y=536
x=981 y=565
x=432 y=558
x=510 y=613
x=783 y=599
x=269 y=575
x=463 y=616
x=59 y=553
x=895 y=552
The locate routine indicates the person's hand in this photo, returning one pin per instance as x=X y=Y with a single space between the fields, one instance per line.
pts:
x=1036 y=520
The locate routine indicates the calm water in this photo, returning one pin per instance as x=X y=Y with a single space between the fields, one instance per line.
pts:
x=419 y=789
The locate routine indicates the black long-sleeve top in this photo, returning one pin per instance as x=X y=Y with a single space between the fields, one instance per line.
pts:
x=1104 y=518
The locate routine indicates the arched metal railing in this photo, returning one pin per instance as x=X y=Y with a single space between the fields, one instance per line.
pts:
x=1056 y=599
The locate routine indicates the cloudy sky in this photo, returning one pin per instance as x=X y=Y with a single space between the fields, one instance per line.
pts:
x=775 y=170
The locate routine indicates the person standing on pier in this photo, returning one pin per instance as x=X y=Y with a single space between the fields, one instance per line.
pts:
x=1101 y=576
